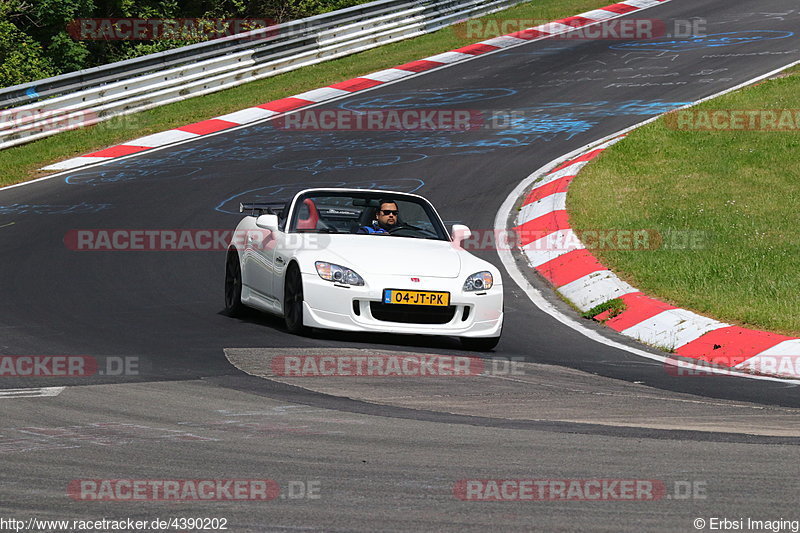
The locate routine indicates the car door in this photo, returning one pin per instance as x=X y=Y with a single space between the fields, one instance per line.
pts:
x=258 y=263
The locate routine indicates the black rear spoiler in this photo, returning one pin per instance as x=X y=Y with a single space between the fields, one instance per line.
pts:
x=256 y=209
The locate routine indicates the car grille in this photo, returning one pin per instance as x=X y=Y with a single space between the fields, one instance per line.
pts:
x=412 y=314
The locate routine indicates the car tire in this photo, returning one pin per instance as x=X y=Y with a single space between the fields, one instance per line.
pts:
x=479 y=344
x=233 y=285
x=293 y=301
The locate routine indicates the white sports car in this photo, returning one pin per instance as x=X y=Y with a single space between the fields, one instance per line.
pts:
x=325 y=259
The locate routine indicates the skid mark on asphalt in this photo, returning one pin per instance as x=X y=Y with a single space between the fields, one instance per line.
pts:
x=229 y=425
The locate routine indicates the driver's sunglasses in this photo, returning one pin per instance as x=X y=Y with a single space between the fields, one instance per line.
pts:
x=387 y=212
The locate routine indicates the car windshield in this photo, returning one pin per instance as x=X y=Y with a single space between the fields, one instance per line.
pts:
x=354 y=213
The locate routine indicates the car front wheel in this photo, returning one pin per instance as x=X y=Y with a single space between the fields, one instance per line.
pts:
x=293 y=301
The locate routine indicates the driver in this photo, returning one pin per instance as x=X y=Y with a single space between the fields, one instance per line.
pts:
x=386 y=217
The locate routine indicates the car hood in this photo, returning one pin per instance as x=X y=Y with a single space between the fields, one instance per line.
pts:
x=379 y=254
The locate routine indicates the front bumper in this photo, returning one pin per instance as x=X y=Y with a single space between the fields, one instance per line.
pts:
x=331 y=306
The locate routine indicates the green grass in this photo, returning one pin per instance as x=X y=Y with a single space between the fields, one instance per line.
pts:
x=736 y=192
x=23 y=162
x=614 y=308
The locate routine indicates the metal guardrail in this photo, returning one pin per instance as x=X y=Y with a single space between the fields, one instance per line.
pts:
x=35 y=110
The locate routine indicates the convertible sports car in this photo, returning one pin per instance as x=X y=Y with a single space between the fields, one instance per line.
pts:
x=321 y=260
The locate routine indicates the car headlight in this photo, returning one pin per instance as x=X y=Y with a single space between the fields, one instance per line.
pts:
x=338 y=274
x=479 y=281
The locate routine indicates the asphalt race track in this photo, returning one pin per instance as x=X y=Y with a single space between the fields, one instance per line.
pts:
x=386 y=455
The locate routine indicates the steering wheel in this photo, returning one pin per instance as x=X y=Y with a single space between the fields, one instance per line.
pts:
x=409 y=232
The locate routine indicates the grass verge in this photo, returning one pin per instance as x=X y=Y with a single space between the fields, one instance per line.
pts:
x=23 y=162
x=725 y=201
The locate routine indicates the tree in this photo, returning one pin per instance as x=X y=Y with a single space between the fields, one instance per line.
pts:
x=35 y=42
x=22 y=59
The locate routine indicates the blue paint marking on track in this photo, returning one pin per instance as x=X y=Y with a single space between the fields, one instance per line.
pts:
x=425 y=99
x=551 y=119
x=604 y=108
x=286 y=191
x=52 y=209
x=536 y=127
x=327 y=164
x=141 y=170
x=326 y=151
x=707 y=41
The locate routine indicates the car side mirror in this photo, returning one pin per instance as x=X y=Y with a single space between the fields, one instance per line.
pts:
x=460 y=233
x=269 y=222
